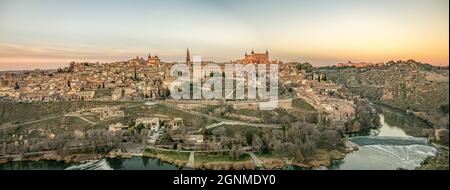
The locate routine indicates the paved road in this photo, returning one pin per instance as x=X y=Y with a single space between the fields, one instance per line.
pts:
x=191 y=160
x=258 y=163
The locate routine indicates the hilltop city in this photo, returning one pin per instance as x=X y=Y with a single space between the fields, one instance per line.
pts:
x=124 y=109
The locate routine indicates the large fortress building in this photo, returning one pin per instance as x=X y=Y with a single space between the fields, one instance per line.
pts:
x=153 y=59
x=257 y=58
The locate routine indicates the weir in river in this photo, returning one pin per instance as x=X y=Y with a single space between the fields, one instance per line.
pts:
x=385 y=140
x=387 y=148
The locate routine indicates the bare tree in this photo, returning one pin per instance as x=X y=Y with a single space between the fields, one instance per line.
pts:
x=257 y=143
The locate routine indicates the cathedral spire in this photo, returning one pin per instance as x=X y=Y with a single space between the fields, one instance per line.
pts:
x=188 y=57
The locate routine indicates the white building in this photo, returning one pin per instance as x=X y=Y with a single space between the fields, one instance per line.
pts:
x=115 y=127
x=196 y=139
x=152 y=123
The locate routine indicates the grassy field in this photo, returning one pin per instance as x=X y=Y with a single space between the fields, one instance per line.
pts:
x=51 y=115
x=21 y=112
x=188 y=119
x=302 y=104
x=205 y=158
x=301 y=111
x=184 y=156
x=269 y=155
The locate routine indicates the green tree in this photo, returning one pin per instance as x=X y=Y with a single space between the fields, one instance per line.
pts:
x=444 y=108
x=139 y=127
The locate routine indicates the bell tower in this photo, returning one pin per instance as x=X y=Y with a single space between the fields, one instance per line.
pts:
x=188 y=58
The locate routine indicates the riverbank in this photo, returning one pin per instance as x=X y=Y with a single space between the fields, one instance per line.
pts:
x=367 y=157
x=179 y=159
x=321 y=158
x=50 y=156
x=221 y=161
x=217 y=161
x=438 y=162
x=208 y=161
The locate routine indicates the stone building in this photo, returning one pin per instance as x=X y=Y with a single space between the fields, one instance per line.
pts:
x=151 y=60
x=256 y=58
x=152 y=123
x=86 y=95
x=177 y=123
x=116 y=127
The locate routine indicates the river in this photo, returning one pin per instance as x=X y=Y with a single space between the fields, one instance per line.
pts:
x=134 y=163
x=387 y=148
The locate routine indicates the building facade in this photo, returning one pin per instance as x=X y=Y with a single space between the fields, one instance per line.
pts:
x=257 y=58
x=153 y=59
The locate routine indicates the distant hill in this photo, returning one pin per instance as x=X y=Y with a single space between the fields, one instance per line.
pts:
x=355 y=65
x=409 y=85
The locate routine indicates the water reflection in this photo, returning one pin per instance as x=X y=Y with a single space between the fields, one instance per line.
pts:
x=134 y=163
x=390 y=131
x=34 y=165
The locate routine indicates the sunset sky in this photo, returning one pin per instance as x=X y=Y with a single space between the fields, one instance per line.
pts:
x=51 y=33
